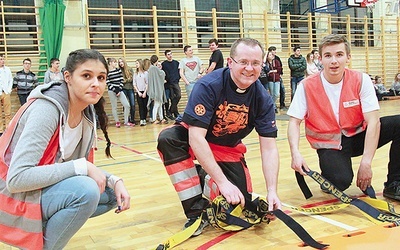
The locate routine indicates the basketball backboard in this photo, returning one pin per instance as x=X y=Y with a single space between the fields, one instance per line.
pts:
x=354 y=3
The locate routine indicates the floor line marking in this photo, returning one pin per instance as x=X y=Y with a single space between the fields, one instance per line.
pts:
x=133 y=150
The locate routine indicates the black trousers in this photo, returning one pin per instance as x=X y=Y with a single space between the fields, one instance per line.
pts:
x=336 y=165
x=175 y=96
x=189 y=179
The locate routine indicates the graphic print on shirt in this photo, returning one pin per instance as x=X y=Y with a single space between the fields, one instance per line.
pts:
x=191 y=65
x=230 y=118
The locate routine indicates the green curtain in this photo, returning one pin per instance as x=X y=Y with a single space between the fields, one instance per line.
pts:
x=52 y=23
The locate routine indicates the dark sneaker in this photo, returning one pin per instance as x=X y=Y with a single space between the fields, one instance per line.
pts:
x=392 y=190
x=199 y=230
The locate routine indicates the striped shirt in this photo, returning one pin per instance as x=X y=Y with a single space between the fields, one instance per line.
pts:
x=115 y=80
x=25 y=82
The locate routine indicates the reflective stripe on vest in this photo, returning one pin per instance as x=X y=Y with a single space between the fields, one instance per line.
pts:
x=20 y=213
x=322 y=128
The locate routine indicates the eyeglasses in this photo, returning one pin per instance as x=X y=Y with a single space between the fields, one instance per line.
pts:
x=244 y=63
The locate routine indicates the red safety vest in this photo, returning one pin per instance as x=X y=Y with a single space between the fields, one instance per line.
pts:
x=19 y=208
x=322 y=128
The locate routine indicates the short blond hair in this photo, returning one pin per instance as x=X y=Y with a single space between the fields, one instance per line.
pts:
x=334 y=39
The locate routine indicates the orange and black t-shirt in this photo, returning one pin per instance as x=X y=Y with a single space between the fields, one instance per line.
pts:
x=227 y=115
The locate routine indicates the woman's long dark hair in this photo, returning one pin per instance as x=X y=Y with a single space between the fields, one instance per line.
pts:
x=78 y=57
x=103 y=121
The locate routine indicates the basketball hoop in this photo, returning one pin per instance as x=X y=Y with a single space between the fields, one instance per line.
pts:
x=369 y=4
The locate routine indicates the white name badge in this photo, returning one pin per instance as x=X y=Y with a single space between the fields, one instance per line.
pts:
x=351 y=103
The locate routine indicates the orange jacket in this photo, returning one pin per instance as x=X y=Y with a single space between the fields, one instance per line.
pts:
x=17 y=208
x=322 y=128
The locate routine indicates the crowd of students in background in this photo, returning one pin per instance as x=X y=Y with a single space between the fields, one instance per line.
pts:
x=154 y=86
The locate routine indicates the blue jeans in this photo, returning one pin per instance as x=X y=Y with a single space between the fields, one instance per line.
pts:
x=274 y=88
x=130 y=95
x=189 y=88
x=293 y=83
x=68 y=204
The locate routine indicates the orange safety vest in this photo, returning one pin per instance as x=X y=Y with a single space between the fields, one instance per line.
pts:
x=22 y=212
x=322 y=128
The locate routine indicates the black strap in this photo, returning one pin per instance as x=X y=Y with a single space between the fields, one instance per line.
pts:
x=298 y=229
x=308 y=194
x=370 y=192
x=303 y=185
x=343 y=197
x=260 y=206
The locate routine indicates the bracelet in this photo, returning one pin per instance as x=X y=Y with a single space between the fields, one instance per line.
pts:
x=117 y=181
x=112 y=180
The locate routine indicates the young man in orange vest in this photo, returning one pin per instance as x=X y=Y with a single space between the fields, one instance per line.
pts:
x=341 y=114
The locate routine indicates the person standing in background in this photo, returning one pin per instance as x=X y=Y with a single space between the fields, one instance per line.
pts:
x=53 y=73
x=115 y=84
x=273 y=76
x=25 y=81
x=6 y=83
x=172 y=88
x=298 y=66
x=217 y=59
x=311 y=67
x=190 y=69
x=155 y=90
x=140 y=85
x=282 y=92
x=316 y=58
x=127 y=73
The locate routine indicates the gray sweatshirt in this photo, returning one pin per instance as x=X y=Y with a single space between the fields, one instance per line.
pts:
x=32 y=135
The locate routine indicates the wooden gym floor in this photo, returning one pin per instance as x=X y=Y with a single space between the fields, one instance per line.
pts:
x=156 y=213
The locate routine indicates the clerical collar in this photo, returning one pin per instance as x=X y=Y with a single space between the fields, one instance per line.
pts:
x=240 y=91
x=236 y=88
